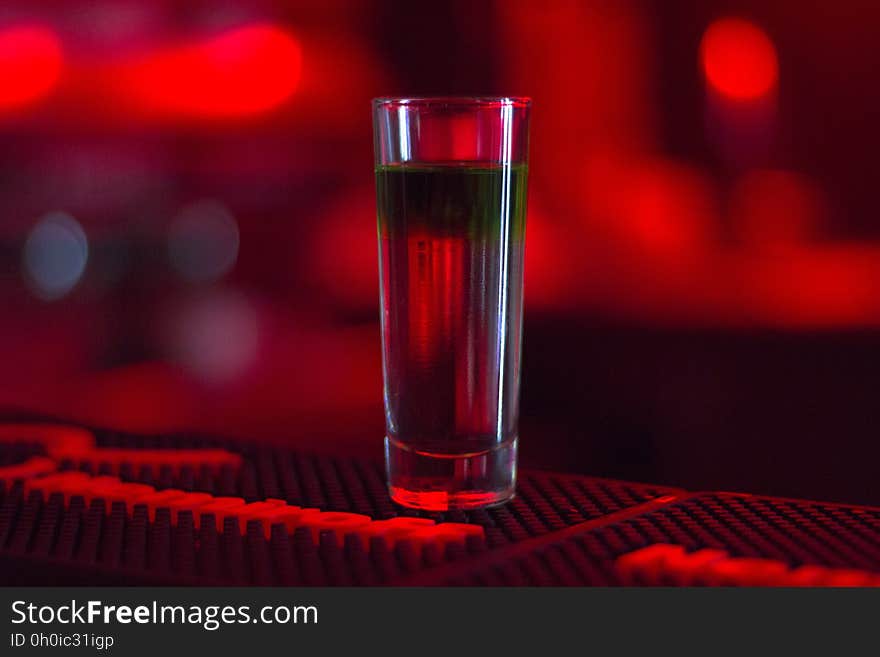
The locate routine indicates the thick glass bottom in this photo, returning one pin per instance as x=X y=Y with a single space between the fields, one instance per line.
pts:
x=440 y=482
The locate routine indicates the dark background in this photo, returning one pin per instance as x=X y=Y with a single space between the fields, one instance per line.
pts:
x=187 y=223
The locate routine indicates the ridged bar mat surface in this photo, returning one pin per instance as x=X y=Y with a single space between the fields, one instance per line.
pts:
x=66 y=530
x=702 y=539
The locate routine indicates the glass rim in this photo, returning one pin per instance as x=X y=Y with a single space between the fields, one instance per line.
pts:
x=460 y=101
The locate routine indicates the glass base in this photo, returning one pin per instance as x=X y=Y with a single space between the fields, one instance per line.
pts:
x=440 y=482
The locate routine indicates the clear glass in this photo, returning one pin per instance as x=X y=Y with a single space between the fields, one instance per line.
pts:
x=451 y=179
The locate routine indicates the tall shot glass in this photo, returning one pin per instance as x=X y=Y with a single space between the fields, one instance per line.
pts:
x=451 y=178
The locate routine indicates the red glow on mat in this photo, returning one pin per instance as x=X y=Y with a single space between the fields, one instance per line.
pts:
x=39 y=474
x=663 y=564
x=31 y=61
x=242 y=72
x=439 y=500
x=268 y=513
x=738 y=59
x=33 y=467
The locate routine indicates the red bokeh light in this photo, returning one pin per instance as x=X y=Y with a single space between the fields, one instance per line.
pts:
x=128 y=397
x=343 y=264
x=813 y=287
x=671 y=208
x=738 y=59
x=657 y=206
x=775 y=208
x=242 y=72
x=31 y=62
x=552 y=249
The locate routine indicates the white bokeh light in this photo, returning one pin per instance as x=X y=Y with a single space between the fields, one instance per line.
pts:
x=55 y=255
x=203 y=241
x=217 y=336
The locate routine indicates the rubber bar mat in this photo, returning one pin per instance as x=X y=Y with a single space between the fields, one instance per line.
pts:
x=706 y=539
x=47 y=537
x=90 y=507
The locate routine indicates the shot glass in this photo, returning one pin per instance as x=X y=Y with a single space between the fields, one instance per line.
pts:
x=451 y=179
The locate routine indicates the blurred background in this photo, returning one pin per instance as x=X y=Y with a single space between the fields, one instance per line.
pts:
x=187 y=223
